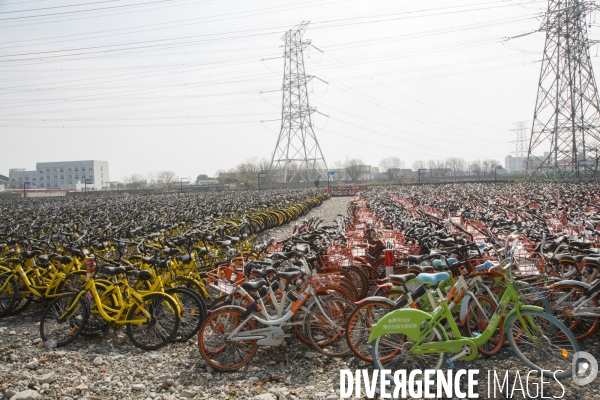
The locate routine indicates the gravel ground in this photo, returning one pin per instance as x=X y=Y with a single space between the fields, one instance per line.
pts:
x=112 y=368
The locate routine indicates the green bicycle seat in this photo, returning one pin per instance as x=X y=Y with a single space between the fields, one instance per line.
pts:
x=433 y=279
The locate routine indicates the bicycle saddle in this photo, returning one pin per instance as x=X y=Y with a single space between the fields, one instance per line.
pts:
x=254 y=285
x=288 y=276
x=46 y=258
x=433 y=279
x=420 y=269
x=113 y=270
x=170 y=251
x=302 y=248
x=263 y=273
x=142 y=275
x=184 y=258
x=31 y=254
x=201 y=250
x=64 y=259
x=401 y=279
x=592 y=261
x=581 y=245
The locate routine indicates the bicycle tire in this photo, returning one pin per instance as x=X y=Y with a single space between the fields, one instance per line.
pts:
x=191 y=304
x=326 y=326
x=547 y=357
x=359 y=326
x=160 y=329
x=9 y=293
x=477 y=323
x=216 y=351
x=66 y=329
x=389 y=351
x=582 y=327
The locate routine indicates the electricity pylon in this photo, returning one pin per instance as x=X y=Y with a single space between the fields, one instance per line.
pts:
x=298 y=156
x=566 y=113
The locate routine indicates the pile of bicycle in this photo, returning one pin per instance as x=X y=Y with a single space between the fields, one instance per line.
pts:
x=133 y=262
x=411 y=278
x=406 y=284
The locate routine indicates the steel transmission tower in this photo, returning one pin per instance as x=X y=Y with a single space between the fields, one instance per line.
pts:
x=566 y=113
x=521 y=140
x=297 y=156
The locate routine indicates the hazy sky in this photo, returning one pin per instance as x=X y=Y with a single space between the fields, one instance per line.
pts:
x=183 y=85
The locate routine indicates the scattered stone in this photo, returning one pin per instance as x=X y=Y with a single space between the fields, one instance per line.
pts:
x=138 y=386
x=210 y=369
x=26 y=395
x=45 y=386
x=13 y=357
x=32 y=364
x=169 y=382
x=310 y=355
x=50 y=377
x=50 y=345
x=37 y=340
x=188 y=394
x=272 y=363
x=98 y=361
x=10 y=393
x=139 y=373
x=12 y=333
x=264 y=396
x=40 y=345
x=253 y=379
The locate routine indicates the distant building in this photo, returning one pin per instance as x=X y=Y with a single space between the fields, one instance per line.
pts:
x=4 y=180
x=66 y=175
x=516 y=165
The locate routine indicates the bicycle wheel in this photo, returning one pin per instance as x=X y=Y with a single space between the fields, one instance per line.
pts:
x=192 y=309
x=219 y=352
x=64 y=319
x=562 y=298
x=156 y=321
x=9 y=292
x=477 y=322
x=392 y=351
x=548 y=346
x=96 y=324
x=359 y=326
x=326 y=325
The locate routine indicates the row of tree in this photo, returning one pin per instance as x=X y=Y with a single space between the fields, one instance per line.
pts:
x=456 y=166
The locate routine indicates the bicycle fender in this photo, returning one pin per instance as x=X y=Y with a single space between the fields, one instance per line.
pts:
x=406 y=321
x=524 y=308
x=464 y=309
x=582 y=285
x=376 y=298
x=229 y=307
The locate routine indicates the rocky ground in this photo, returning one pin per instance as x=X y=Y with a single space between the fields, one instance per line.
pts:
x=112 y=368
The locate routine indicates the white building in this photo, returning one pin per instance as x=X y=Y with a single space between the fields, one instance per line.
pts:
x=515 y=165
x=66 y=175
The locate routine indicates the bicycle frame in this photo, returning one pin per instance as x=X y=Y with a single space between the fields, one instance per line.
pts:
x=409 y=322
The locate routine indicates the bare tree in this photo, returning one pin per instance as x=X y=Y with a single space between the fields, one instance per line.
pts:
x=392 y=166
x=456 y=165
x=354 y=168
x=135 y=181
x=489 y=165
x=248 y=172
x=432 y=167
x=419 y=164
x=475 y=167
x=166 y=180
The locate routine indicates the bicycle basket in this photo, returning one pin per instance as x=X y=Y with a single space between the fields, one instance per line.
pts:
x=225 y=278
x=325 y=281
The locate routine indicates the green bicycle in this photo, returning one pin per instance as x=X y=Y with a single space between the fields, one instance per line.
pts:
x=409 y=339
